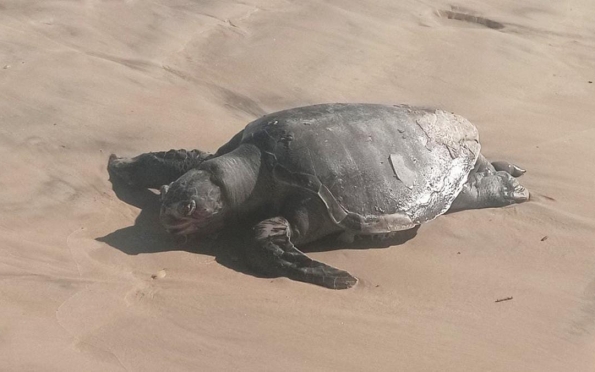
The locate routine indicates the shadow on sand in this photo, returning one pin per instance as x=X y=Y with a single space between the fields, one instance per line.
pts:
x=147 y=235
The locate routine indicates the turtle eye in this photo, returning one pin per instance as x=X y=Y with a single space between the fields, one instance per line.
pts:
x=163 y=190
x=189 y=208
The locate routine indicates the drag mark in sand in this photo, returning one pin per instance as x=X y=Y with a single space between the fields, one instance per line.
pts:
x=470 y=18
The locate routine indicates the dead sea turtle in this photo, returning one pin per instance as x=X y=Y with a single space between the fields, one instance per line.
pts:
x=304 y=173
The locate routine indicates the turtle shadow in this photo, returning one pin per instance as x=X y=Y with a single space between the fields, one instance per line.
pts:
x=148 y=236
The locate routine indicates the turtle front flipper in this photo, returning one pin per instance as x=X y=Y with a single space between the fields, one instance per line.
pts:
x=155 y=169
x=273 y=253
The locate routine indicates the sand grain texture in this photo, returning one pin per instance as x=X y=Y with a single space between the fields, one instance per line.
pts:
x=88 y=282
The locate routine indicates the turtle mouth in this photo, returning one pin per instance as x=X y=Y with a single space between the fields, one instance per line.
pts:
x=194 y=224
x=182 y=228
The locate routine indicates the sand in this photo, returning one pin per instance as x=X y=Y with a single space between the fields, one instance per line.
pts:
x=89 y=282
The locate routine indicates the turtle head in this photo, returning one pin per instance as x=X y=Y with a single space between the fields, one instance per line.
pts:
x=192 y=204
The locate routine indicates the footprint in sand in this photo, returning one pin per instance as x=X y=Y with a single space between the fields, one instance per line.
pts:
x=159 y=275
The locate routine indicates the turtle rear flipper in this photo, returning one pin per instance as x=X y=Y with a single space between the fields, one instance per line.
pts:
x=273 y=253
x=512 y=169
x=489 y=190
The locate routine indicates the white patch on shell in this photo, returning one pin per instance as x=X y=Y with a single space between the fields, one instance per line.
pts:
x=452 y=137
x=402 y=171
x=454 y=142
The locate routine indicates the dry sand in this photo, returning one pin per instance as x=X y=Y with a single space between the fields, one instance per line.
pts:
x=84 y=288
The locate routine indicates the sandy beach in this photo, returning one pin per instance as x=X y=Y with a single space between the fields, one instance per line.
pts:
x=89 y=281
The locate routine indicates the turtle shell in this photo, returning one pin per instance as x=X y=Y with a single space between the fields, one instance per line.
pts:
x=378 y=168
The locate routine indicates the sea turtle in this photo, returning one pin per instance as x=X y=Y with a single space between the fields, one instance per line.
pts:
x=298 y=175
